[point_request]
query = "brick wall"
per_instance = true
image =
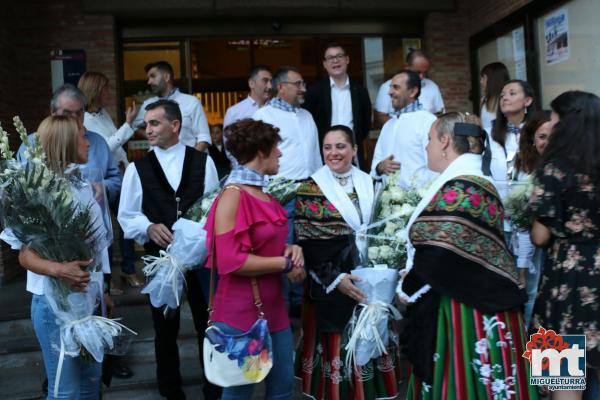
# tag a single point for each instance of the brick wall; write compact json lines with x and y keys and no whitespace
{"x":447,"y":43}
{"x":39,"y":27}
{"x":28,"y":32}
{"x":7,"y":75}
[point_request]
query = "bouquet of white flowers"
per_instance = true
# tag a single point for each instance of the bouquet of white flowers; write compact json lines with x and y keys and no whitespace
{"x":188,"y":250}
{"x":52,"y":209}
{"x":386,"y":247}
{"x":515,"y":204}
{"x":387,"y":235}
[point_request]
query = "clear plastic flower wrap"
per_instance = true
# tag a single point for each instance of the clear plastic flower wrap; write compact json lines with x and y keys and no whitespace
{"x":52,"y":210}
{"x":368,"y":329}
{"x":59,"y":212}
{"x":84,"y":333}
{"x":186,"y":252}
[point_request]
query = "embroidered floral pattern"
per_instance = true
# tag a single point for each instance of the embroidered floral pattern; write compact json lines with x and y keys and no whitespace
{"x":478,"y":201}
{"x":466,"y":240}
{"x":316,"y":217}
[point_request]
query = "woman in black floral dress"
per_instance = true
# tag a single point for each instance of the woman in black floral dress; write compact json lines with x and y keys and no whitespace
{"x":566,"y":207}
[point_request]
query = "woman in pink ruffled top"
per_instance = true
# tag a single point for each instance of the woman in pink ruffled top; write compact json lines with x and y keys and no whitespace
{"x":250,"y":230}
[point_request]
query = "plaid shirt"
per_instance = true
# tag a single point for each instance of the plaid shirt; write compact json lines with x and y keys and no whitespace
{"x":246,"y":176}
{"x":281,"y":104}
{"x":416,"y":106}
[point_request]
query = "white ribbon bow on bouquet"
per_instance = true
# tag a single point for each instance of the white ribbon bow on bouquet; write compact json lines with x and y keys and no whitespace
{"x":368,"y":328}
{"x":369,"y":332}
{"x":167,"y":270}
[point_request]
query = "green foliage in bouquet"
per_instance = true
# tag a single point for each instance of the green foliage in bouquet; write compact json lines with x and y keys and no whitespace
{"x":282,"y":189}
{"x":387,"y":235}
{"x":38,"y":206}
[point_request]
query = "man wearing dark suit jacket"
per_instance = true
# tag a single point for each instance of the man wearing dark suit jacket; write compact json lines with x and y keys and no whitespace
{"x":337,"y":99}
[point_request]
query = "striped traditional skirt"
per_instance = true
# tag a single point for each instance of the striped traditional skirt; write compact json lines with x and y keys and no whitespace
{"x":320,"y":365}
{"x":477,"y":356}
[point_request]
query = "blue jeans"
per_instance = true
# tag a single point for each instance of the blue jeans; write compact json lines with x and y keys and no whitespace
{"x":292,"y":292}
{"x":280,"y":380}
{"x":79,"y":379}
{"x":531,"y":284}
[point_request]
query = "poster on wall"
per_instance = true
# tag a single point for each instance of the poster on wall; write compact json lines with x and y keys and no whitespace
{"x":556,"y":37}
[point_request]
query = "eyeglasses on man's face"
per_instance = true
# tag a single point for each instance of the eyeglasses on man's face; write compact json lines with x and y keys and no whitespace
{"x":299,"y":84}
{"x":335,"y":57}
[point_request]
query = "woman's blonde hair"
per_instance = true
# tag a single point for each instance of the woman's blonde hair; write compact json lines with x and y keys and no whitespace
{"x":58,"y":136}
{"x":461,"y":144}
{"x":91,"y":84}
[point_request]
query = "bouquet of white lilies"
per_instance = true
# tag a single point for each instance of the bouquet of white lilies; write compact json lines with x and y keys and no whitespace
{"x":52,"y":209}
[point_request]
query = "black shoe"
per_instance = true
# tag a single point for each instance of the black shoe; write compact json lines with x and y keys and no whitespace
{"x":122,"y":371}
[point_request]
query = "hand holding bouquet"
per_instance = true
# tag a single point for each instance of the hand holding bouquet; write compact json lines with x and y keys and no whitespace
{"x":50,"y":209}
{"x":188,"y":250}
{"x":386,"y":237}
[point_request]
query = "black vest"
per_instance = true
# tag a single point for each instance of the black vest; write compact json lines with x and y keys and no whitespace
{"x":160,"y":203}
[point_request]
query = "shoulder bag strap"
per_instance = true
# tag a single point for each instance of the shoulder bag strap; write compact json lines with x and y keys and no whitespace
{"x":213,"y":271}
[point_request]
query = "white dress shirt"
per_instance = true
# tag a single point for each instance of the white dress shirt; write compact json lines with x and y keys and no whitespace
{"x":486,"y":118}
{"x":406,"y":138}
{"x":131,"y":218}
{"x":503,"y":160}
{"x":244,"y":109}
{"x":341,"y":104}
{"x":103,"y":124}
{"x":194,"y":127}
{"x":300,"y":155}
{"x":430,"y":97}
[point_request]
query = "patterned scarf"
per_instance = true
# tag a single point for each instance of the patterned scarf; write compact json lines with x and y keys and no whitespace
{"x":511,"y":128}
{"x":246,"y":176}
{"x":283,"y":105}
{"x":416,"y":106}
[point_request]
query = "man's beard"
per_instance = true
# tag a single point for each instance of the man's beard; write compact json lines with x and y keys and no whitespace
{"x":156,"y":90}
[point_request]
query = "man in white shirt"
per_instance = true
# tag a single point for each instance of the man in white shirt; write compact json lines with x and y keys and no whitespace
{"x":401,"y":144}
{"x":430,"y":96}
{"x":339,"y":100}
{"x":194,"y":125}
{"x":300,"y":155}
{"x":159,"y":188}
{"x":260,"y":92}
{"x":260,"y":86}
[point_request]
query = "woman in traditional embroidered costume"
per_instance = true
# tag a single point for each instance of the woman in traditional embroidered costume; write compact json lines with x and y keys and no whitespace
{"x":465,"y":336}
{"x":334,"y":203}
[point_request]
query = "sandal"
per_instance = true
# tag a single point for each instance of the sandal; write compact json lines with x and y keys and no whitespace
{"x":132,"y":280}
